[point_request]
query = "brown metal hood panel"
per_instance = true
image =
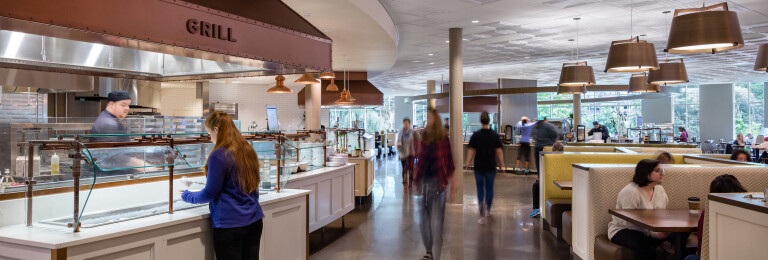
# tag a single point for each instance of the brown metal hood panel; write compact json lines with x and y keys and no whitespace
{"x":365,"y":93}
{"x":161,"y":26}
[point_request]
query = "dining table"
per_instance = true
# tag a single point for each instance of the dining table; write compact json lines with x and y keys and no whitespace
{"x":676,"y":221}
{"x":564,"y":185}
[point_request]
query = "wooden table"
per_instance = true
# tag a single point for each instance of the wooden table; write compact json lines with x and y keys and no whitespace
{"x":662,"y":220}
{"x":564,"y":185}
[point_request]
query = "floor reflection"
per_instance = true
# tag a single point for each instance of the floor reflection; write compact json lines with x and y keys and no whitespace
{"x":385,"y":225}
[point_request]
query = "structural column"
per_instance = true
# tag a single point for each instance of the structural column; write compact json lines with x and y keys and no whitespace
{"x":456,"y":109}
{"x":431,"y":90}
{"x":312,"y":106}
{"x":576,"y":111}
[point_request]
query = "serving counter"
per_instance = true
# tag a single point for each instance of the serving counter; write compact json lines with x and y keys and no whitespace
{"x":364,"y":168}
{"x":738,"y":226}
{"x":510,"y":152}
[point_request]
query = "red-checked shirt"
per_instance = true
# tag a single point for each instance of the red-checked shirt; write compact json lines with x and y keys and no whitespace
{"x":434,"y":158}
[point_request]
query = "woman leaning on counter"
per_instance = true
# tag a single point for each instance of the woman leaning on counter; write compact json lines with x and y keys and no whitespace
{"x":232,"y":190}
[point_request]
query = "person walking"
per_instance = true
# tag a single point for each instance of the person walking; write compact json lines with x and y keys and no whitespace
{"x":406,"y":150}
{"x":434,"y":167}
{"x":524,"y":153}
{"x":485,"y":148}
{"x":546,"y":135}
{"x":231,"y":190}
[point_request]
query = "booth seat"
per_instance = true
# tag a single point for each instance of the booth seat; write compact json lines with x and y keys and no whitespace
{"x":665,"y":149}
{"x":557,"y":166}
{"x":595,"y":187}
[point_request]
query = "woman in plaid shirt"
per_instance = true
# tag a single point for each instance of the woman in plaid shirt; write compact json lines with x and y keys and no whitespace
{"x":434,"y":167}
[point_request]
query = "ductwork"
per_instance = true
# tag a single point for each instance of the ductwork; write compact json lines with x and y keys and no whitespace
{"x":144,"y":93}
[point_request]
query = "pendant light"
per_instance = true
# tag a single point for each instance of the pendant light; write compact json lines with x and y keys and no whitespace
{"x":707,"y":29}
{"x":306,"y":79}
{"x":761,"y":63}
{"x":671,"y":71}
{"x":575,"y":77}
{"x":345,"y":96}
{"x":327,"y":75}
{"x":633,"y":55}
{"x":280,"y":86}
{"x":332,"y":87}
{"x":639,"y":83}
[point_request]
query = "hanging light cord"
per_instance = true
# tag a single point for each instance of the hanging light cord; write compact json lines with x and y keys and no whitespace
{"x":577,"y":39}
{"x":666,"y":32}
{"x":631,"y":19}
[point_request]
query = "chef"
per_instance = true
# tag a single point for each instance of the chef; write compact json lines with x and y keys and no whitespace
{"x":108,"y":122}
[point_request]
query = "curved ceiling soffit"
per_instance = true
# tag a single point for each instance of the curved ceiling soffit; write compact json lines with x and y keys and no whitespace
{"x":364,"y":35}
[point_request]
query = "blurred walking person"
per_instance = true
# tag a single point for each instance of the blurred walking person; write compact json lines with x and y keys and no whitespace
{"x":524,"y":153}
{"x":434,"y":167}
{"x":405,"y":145}
{"x":546,"y":135}
{"x":485,"y":148}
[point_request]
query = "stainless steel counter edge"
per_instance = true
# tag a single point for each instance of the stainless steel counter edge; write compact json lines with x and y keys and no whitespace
{"x":58,"y":238}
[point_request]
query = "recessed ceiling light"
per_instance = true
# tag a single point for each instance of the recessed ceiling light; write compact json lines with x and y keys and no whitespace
{"x":527,"y":57}
{"x":432,"y":63}
{"x":475,"y":21}
{"x":431,"y":54}
{"x":447,"y":41}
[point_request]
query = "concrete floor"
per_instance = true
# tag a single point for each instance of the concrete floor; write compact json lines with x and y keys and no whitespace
{"x":384,"y":226}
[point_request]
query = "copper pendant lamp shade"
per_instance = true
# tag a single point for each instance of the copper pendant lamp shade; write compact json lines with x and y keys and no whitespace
{"x":280,"y":86}
{"x":671,"y":71}
{"x":576,"y":74}
{"x":327,"y":75}
{"x":332,"y":87}
{"x":639,"y":83}
{"x":306,"y":79}
{"x":704,"y":29}
{"x":633,"y":55}
{"x":761,"y":63}
{"x":346,"y":98}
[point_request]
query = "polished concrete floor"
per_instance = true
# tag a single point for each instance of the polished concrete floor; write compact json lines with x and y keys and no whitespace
{"x":385,"y":225}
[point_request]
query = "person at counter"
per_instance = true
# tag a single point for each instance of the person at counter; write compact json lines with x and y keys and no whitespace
{"x":525,"y":142}
{"x":232,"y":190}
{"x":683,"y":135}
{"x":486,"y":144}
{"x":546,"y":135}
{"x":599,"y":129}
{"x":108,"y":122}
{"x":447,"y":124}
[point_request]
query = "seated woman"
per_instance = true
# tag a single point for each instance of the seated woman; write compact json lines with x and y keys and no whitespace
{"x":740,"y":155}
{"x":762,"y":146}
{"x":665,"y":158}
{"x":644,"y":192}
{"x":725,"y":183}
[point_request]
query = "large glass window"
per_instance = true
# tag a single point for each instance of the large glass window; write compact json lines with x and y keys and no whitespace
{"x":686,"y":105}
{"x":749,"y":109}
{"x":612,"y":114}
{"x":373,"y":119}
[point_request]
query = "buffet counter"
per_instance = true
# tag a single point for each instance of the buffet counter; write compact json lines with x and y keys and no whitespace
{"x":185,"y":234}
{"x":364,"y":168}
{"x":331,"y":192}
{"x":510,"y":152}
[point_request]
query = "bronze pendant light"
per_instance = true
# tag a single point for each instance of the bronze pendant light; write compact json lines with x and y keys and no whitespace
{"x":327,"y":75}
{"x":575,"y":77}
{"x":704,"y":29}
{"x":280,"y":87}
{"x":306,"y":79}
{"x":639,"y":83}
{"x":671,"y":71}
{"x":761,"y":63}
{"x":332,"y":87}
{"x":345,"y":96}
{"x":633,"y":55}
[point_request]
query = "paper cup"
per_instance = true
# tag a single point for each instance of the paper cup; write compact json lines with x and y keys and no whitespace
{"x":694,"y":205}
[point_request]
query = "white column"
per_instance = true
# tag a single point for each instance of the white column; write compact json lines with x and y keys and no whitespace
{"x":431,"y":90}
{"x":457,"y":110}
{"x":312,"y":106}
{"x":576,"y":111}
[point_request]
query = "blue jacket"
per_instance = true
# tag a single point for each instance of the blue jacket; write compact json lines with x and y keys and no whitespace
{"x":525,"y":131}
{"x":229,"y":206}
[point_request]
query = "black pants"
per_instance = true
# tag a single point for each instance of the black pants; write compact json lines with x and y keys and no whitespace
{"x":643,"y":247}
{"x":238,"y":243}
{"x":536,"y":151}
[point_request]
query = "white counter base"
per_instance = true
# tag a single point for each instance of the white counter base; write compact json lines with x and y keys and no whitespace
{"x":736,"y":232}
{"x":331,"y":193}
{"x":185,"y":234}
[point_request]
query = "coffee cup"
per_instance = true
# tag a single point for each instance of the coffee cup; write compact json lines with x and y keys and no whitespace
{"x":694,"y":205}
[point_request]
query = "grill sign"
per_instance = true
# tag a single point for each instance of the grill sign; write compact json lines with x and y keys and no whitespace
{"x":211,"y":30}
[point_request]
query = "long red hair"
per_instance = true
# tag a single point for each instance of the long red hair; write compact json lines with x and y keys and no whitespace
{"x":243,"y":156}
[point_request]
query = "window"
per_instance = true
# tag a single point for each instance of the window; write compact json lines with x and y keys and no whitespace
{"x":749,"y":110}
{"x":685,"y":100}
{"x":606,"y":113}
{"x":374,"y":119}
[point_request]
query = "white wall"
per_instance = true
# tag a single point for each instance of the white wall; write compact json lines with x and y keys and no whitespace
{"x":658,"y":110}
{"x":180,"y":100}
{"x":716,"y":112}
{"x":252,"y":100}
{"x":403,"y":109}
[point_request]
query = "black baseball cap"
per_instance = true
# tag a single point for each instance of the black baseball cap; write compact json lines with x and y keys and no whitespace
{"x":595,"y":123}
{"x":118,"y":95}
